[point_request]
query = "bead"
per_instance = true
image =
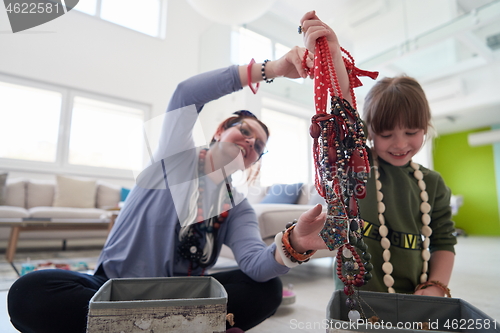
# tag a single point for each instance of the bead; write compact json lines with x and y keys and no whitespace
{"x":391,"y":290}
{"x":426,"y":231}
{"x":421,"y":185}
{"x":354,"y":315}
{"x":387,"y":267}
{"x":423,"y":278}
{"x":362,"y":245}
{"x":424,"y":196}
{"x":378,"y":184}
{"x":418,"y":175}
{"x":359,"y":282}
{"x":388,"y":280}
{"x":315,"y":130}
{"x":383,"y":231}
{"x":347,"y":253}
{"x":368,"y":266}
{"x":354,"y":225}
{"x":425,"y":207}
{"x":414,"y":165}
{"x":349,"y":265}
{"x":426,"y":219}
{"x":381,"y":208}
{"x":425,"y":266}
{"x":426,"y":255}
{"x":386,"y":244}
{"x":381,"y":219}
{"x":367,"y":276}
{"x":386,"y":255}
{"x":367,"y":256}
{"x":348,"y":290}
{"x":350,"y":303}
{"x":426,"y":243}
{"x":380,"y":196}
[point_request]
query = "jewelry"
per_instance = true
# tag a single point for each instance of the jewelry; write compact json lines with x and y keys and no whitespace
{"x":263,"y":72}
{"x":189,"y":247}
{"x":438,"y":284}
{"x":299,"y":29}
{"x":249,"y":77}
{"x":426,"y":230}
{"x":342,"y":167}
{"x":290,"y":251}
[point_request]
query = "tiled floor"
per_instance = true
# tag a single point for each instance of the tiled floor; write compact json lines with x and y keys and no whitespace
{"x":474,"y":280}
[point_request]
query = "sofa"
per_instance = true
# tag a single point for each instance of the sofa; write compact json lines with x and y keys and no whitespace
{"x":60,"y":209}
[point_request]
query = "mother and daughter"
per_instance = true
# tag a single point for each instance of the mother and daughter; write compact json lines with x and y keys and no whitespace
{"x":183,"y":207}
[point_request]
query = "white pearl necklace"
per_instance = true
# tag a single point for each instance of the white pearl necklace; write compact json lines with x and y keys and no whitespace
{"x":426,"y":230}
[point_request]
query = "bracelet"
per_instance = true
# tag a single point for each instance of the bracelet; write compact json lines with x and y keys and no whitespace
{"x":249,"y":77}
{"x":294,"y":255}
{"x":278,"y":239}
{"x":263,"y":72}
{"x":438,"y":284}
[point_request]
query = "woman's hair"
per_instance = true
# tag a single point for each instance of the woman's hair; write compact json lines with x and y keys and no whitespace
{"x":398,"y":101}
{"x":254,"y":170}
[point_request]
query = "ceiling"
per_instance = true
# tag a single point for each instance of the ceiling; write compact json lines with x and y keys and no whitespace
{"x":451,"y":46}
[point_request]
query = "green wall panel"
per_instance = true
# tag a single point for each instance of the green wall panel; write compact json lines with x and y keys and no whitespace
{"x":470,"y":172}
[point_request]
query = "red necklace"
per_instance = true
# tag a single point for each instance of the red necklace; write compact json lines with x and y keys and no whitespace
{"x":342,"y":166}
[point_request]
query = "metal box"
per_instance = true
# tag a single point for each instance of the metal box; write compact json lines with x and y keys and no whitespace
{"x":176,"y":304}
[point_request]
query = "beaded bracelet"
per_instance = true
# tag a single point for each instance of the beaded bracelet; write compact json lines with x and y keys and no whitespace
{"x":263,"y":71}
{"x":278,"y":239}
{"x":249,"y":77}
{"x":294,"y":255}
{"x":438,"y":284}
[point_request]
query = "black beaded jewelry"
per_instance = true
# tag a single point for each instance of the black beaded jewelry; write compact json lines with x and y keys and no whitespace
{"x":263,"y":72}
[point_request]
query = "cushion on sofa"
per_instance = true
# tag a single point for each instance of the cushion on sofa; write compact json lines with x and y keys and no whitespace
{"x":13,"y":212}
{"x":39,"y":193}
{"x":66,"y":212}
{"x":108,"y":195}
{"x":16,"y":193}
{"x":77,"y":193}
{"x":283,"y":194}
{"x":3,"y":188}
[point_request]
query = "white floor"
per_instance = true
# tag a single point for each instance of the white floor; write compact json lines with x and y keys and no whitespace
{"x":477,"y":268}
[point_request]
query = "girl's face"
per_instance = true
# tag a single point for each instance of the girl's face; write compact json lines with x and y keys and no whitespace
{"x":249,"y":137}
{"x":399,"y":145}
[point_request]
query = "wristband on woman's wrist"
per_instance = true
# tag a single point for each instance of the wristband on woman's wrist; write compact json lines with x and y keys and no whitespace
{"x":435,"y":283}
{"x":263,"y":72}
{"x":287,"y":251}
{"x":249,"y":77}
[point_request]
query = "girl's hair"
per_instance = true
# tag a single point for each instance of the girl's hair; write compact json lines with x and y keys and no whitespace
{"x":254,"y":170}
{"x":398,"y":101}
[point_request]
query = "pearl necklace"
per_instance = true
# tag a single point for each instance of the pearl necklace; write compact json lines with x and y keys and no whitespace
{"x":426,"y":230}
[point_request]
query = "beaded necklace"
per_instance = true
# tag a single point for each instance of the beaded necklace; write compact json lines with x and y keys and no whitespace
{"x":426,"y":230}
{"x":190,"y":247}
{"x":342,"y":167}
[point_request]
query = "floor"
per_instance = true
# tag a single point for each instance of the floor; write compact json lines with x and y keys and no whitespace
{"x":473,"y":280}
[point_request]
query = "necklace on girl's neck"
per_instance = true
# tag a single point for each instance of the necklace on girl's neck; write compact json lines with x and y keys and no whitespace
{"x":426,"y":230}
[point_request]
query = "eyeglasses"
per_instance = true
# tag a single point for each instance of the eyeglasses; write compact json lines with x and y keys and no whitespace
{"x":247,"y":132}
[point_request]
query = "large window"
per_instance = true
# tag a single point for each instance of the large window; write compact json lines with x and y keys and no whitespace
{"x":288,"y":160}
{"x":45,"y":127}
{"x":146,"y":16}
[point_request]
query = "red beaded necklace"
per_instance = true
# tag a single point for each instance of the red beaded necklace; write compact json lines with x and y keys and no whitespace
{"x":190,"y":247}
{"x":342,"y":166}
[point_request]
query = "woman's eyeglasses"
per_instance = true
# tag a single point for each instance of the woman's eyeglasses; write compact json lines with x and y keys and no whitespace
{"x":247,"y":132}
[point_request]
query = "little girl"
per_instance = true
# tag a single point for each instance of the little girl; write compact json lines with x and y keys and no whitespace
{"x":407,"y":214}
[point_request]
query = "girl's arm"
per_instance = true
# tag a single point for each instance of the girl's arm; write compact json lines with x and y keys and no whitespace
{"x":440,"y":268}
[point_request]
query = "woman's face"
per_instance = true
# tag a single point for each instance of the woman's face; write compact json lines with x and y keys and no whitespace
{"x":248,"y":137}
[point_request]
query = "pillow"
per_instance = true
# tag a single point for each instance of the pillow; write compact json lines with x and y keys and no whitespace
{"x":3,"y":188}
{"x":283,"y":194}
{"x":107,"y":196}
{"x":40,"y":193}
{"x":77,"y":193}
{"x":124,"y":193}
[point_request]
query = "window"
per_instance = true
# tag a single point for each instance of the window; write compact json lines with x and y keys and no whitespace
{"x":145,"y":16}
{"x":246,"y":44}
{"x":30,"y":122}
{"x":288,"y":160}
{"x":50,"y":128}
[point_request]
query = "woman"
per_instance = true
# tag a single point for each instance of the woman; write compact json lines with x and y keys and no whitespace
{"x":181,"y":211}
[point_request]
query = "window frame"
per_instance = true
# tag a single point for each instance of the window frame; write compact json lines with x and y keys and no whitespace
{"x":61,"y":164}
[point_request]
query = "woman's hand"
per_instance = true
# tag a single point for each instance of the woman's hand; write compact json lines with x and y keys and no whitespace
{"x":290,"y":65}
{"x":305,"y":235}
{"x":313,"y":28}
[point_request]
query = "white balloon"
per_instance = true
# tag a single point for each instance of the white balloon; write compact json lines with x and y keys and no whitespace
{"x":231,"y":11}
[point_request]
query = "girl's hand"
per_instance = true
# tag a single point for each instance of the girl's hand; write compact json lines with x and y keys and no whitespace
{"x":430,"y":291}
{"x":290,"y":65}
{"x":305,"y":235}
{"x":313,"y":28}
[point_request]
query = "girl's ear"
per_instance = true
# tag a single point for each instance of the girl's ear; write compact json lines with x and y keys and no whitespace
{"x":218,"y":134}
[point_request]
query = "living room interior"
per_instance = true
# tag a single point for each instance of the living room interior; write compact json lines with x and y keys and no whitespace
{"x":93,"y":86}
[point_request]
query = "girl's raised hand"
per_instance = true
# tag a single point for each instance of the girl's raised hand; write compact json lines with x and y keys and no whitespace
{"x":313,"y":28}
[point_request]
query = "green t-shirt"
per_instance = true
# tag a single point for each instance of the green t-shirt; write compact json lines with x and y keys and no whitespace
{"x":403,"y":219}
